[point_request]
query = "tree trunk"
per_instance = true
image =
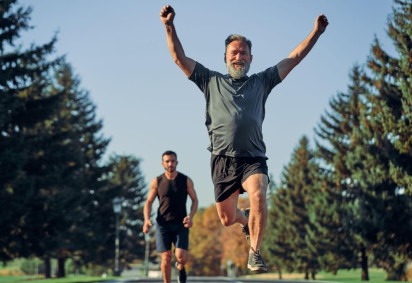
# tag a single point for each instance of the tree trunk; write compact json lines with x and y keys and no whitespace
{"x":47,"y":267}
{"x":313,"y":273}
{"x":279,"y":271}
{"x":61,"y":271}
{"x":306,"y":275}
{"x":364,"y":264}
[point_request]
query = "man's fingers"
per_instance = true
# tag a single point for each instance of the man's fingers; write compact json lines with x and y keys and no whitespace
{"x":166,"y":11}
{"x":324,"y":20}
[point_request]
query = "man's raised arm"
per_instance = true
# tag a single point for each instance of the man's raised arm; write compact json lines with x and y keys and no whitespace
{"x":186,"y":64}
{"x":297,"y":55}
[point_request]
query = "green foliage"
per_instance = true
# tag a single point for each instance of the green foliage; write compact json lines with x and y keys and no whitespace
{"x":55,"y":190}
{"x":339,"y":133}
{"x":360,"y":181}
{"x":126,"y":180}
{"x":30,"y":266}
{"x":388,"y":201}
{"x":25,"y":105}
{"x":294,"y":239}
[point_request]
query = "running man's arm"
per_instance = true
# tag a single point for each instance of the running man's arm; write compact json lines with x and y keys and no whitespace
{"x":147,"y":209}
{"x":187,"y":221}
{"x":297,"y":55}
{"x":186,"y":64}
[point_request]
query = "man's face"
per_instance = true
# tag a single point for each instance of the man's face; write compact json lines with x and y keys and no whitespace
{"x":238,"y":59}
{"x":169,"y":162}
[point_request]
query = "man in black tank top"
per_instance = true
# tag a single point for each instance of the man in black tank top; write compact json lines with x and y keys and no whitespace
{"x":173,"y":222}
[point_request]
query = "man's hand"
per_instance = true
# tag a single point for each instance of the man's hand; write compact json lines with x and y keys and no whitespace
{"x":321,"y":23}
{"x":187,"y":222}
{"x":167,"y":14}
{"x":146,"y":226}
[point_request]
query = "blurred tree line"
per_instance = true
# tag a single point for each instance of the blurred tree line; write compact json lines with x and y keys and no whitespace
{"x":56,"y":190}
{"x":350,"y":197}
{"x":344,"y":203}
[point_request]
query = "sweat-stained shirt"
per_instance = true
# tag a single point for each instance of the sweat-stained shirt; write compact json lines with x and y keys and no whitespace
{"x":235,"y":110}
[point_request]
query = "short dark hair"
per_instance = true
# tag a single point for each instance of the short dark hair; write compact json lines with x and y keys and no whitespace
{"x":169,"y":152}
{"x":234,"y":37}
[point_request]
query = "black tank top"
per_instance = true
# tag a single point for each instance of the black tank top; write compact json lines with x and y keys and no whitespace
{"x":172,"y":196}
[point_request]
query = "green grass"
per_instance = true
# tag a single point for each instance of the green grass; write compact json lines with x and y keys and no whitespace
{"x":68,"y":279}
{"x":343,"y":276}
{"x":354,"y":276}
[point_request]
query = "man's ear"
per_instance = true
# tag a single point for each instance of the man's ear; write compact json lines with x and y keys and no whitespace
{"x":224,"y":58}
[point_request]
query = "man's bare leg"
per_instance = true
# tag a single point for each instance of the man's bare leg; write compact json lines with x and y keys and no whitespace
{"x":181,"y":259}
{"x":165,"y":266}
{"x":256,"y":186}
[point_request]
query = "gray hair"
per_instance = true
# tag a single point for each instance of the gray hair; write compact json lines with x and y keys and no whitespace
{"x":238,"y":37}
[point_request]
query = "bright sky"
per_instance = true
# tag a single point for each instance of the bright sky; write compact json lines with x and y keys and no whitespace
{"x":147,"y":105}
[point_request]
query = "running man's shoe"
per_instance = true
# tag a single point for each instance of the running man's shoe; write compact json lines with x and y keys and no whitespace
{"x":245,"y":228}
{"x":181,"y":274}
{"x":255,"y":262}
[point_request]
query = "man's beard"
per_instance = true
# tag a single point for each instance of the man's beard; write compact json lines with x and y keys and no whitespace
{"x":237,"y":73}
{"x":170,"y":169}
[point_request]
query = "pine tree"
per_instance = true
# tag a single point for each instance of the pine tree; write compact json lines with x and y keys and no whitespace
{"x":297,"y":181}
{"x":338,"y":134}
{"x":276,"y":241}
{"x":391,"y":132}
{"x":25,"y":103}
{"x":126,"y":181}
{"x":83,"y":193}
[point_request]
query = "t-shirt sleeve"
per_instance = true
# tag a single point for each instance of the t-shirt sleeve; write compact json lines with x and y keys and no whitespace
{"x":200,"y":76}
{"x":270,"y":78}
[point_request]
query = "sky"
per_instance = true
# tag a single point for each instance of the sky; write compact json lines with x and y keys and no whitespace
{"x":118,"y":50}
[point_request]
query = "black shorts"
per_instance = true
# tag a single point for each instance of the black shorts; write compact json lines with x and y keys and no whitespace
{"x":168,"y":234}
{"x":228,"y":173}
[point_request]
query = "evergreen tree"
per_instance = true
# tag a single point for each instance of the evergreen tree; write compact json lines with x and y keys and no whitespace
{"x":83,"y":148}
{"x":391,"y":132}
{"x":276,"y":242}
{"x":126,"y":180}
{"x":25,"y":104}
{"x":297,"y":181}
{"x":81,"y":154}
{"x":339,"y":134}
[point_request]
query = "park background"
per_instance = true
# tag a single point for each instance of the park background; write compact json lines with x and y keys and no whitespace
{"x":118,"y":48}
{"x":121,"y":72}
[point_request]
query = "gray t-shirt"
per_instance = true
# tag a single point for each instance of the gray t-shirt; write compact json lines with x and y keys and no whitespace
{"x":235,"y":110}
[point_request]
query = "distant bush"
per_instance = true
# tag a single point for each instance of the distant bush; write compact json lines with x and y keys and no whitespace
{"x":31,"y":266}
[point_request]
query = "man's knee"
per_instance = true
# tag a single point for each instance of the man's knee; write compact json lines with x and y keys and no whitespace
{"x":181,"y":256}
{"x":167,"y":257}
{"x":227,"y":210}
{"x":227,"y":220}
{"x":181,"y":260}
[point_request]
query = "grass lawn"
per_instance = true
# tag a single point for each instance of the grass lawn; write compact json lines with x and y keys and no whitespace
{"x":343,"y":276}
{"x":353,"y":276}
{"x":68,"y":279}
{"x":13,"y":274}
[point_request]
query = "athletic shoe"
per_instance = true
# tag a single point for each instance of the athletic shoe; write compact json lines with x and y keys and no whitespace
{"x":245,"y":228}
{"x":181,"y":275}
{"x":255,"y":262}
